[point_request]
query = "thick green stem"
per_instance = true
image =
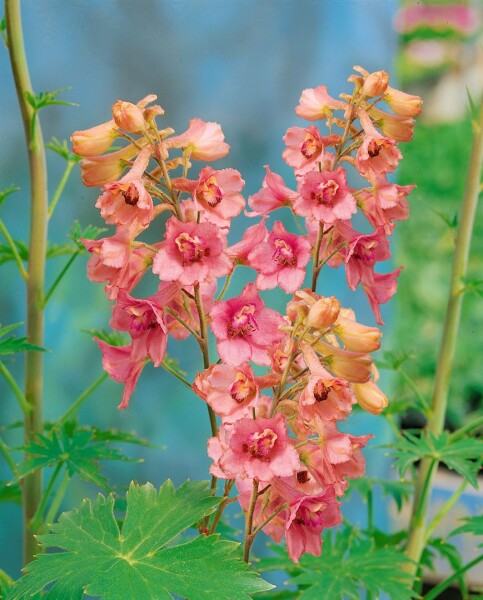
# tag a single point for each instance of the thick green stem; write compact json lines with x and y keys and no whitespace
{"x":417,"y":529}
{"x":32,"y":485}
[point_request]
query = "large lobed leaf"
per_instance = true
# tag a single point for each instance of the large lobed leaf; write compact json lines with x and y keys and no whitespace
{"x":79,"y":448}
{"x":462,"y":455}
{"x":100,"y":559}
{"x":348,"y":566}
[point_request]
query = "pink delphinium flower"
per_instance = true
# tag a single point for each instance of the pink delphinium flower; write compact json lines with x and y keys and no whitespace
{"x":281,"y":260}
{"x":119,"y":363}
{"x":230,"y":391}
{"x":316,"y":103}
{"x":325,"y":397}
{"x":325,"y":196}
{"x":305,"y":147}
{"x":143,"y":320}
{"x":380,"y":289}
{"x":117,"y":261}
{"x":217,"y":193}
{"x":101,"y":170}
{"x":127,"y":200}
{"x":377,"y":153}
{"x":254,"y":235}
{"x":259,"y":449}
{"x":274,"y":194}
{"x":191,"y":253}
{"x":245,"y":329}
{"x":202,"y":141}
{"x":363,"y":252}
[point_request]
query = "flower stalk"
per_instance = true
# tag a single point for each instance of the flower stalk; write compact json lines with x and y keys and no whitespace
{"x":417,"y":532}
{"x":33,"y":377}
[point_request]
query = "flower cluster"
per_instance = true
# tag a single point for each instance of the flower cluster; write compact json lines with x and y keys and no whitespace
{"x":275,"y":431}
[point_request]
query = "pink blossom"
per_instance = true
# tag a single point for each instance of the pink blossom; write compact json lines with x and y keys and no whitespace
{"x":127,"y":200}
{"x":315,"y":103}
{"x":101,"y":170}
{"x":259,"y":449}
{"x":377,"y":153}
{"x":380,"y":290}
{"x":274,"y":194}
{"x":362,"y":254}
{"x":117,"y":261}
{"x":396,"y":127}
{"x":281,"y":260}
{"x":245,"y":329}
{"x":230,"y":391}
{"x":143,"y":320}
{"x":191,"y":253}
{"x":202,"y":141}
{"x":305,"y":147}
{"x":308,"y":517}
{"x":217,"y":193}
{"x":119,"y":363}
{"x":325,"y":196}
{"x":325,"y":397}
{"x":252,"y":236}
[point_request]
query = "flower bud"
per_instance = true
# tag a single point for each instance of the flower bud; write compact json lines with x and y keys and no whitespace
{"x":375,"y":84}
{"x":300,"y":305}
{"x":357,"y":337}
{"x":352,"y":366}
{"x":323,"y":312}
{"x":94,"y":141}
{"x":128,"y":116}
{"x":404,"y":105}
{"x":370,"y":397}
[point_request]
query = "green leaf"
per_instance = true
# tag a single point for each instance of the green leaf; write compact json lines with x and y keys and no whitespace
{"x":392,"y":360}
{"x":349,"y":565}
{"x":400,"y":491}
{"x":90,"y":233}
{"x":11,"y":345}
{"x":43,"y":99}
{"x":472,"y":525}
{"x":100,"y":559}
{"x":79,"y":448}
{"x":4,"y":194}
{"x":114,"y":338}
{"x":473,"y":285}
{"x":463,"y":455}
{"x":62,"y":149}
{"x":10,"y":493}
{"x":6,"y":253}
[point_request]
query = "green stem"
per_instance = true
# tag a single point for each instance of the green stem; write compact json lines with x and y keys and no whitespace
{"x":57,"y":499}
{"x":60,"y":187}
{"x":316,"y":270}
{"x":417,"y":530}
{"x":249,"y":522}
{"x":370,"y":511}
{"x":59,"y":278}
{"x":221,"y":508}
{"x":22,"y":402}
{"x":80,"y":399}
{"x":5,"y":451}
{"x":32,"y":484}
{"x":436,"y":591}
{"x":37,"y":519}
{"x":412,"y":386}
{"x":226,"y":284}
{"x":444,"y":510}
{"x":463,"y":431}
{"x":177,"y":375}
{"x":14,"y":250}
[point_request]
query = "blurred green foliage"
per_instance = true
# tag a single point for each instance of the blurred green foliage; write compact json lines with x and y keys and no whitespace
{"x":437,"y":160}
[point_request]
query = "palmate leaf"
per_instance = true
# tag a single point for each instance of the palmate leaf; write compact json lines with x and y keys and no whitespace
{"x":463,"y":455}
{"x":79,"y":448}
{"x":400,"y":491}
{"x":12,"y":344}
{"x":348,"y":565}
{"x":472,"y":525}
{"x":99,"y":559}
